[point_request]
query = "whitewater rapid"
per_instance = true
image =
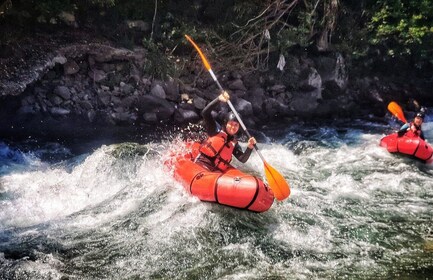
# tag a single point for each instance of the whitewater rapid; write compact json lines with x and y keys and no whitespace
{"x":355,"y":212}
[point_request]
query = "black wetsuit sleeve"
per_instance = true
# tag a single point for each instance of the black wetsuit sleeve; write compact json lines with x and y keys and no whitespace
{"x":240,"y":155}
{"x":210,"y":124}
{"x":403,"y":130}
{"x":421,"y":135}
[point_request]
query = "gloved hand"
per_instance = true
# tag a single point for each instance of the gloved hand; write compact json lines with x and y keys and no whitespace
{"x":224,"y":97}
{"x":251,"y":142}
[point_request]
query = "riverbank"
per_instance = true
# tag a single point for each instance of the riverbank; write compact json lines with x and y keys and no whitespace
{"x":62,"y":82}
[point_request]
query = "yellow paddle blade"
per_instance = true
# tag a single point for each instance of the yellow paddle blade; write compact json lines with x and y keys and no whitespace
{"x":396,"y":111}
{"x":203,"y":58}
{"x":276,"y":182}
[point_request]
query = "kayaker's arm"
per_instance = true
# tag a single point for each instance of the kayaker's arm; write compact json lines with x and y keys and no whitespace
{"x":240,"y":155}
{"x":210,"y":124}
{"x":421,"y":135}
{"x":403,"y":129}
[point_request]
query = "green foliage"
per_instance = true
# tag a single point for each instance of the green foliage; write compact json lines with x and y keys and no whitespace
{"x":157,"y":63}
{"x":52,"y":7}
{"x":405,"y":27}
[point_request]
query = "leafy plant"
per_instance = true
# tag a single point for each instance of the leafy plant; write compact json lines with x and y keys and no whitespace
{"x":404,"y":27}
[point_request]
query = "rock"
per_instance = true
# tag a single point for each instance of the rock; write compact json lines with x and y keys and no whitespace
{"x":199,"y":102}
{"x":70,"y":67}
{"x":310,"y":79}
{"x":127,"y":89}
{"x":55,"y":99}
{"x":27,"y":109}
{"x":68,"y":19}
{"x":60,"y":59}
{"x":97,"y":75}
{"x":59,"y":111}
{"x":152,"y":104}
{"x":237,"y":85}
{"x":129,"y":150}
{"x":91,"y":115}
{"x":239,"y":93}
{"x":333,"y":70}
{"x":184,"y":116}
{"x":244,"y":107}
{"x":273,"y":108}
{"x":86,"y":105}
{"x":171,"y":88}
{"x":122,"y":117}
{"x":256,"y":97}
{"x":129,"y":102}
{"x":150,"y":117}
{"x":304,"y":103}
{"x":184,"y":97}
{"x":63,"y":92}
{"x":277,"y":88}
{"x":158,"y":91}
{"x":104,"y":97}
{"x":138,"y":24}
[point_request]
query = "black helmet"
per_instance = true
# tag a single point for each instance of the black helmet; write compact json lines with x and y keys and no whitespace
{"x":230,"y":116}
{"x":420,"y":115}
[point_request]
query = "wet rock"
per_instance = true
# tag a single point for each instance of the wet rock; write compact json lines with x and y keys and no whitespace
{"x":199,"y":103}
{"x":273,"y":108}
{"x":333,"y":70}
{"x":244,"y":107}
{"x":59,"y":111}
{"x":237,"y":84}
{"x":310,"y":79}
{"x":152,"y":104}
{"x":185,"y":116}
{"x":150,"y":117}
{"x":303,"y":103}
{"x":129,"y":150}
{"x":63,"y":92}
{"x":171,"y":88}
{"x":123,"y":117}
{"x":158,"y":91}
{"x":256,"y":98}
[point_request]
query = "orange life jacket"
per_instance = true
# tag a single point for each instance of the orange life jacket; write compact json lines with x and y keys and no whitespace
{"x":219,"y":150}
{"x":415,"y":133}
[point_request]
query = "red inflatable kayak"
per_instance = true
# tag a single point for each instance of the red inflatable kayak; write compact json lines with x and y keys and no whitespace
{"x":408,"y":145}
{"x":232,"y":187}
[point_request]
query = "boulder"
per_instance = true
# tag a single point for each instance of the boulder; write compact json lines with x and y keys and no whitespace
{"x":182,"y":116}
{"x":71,"y":67}
{"x":153,"y":104}
{"x":63,"y":92}
{"x":158,"y":91}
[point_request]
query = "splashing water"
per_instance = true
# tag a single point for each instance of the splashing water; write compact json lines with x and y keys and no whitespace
{"x":355,"y":212}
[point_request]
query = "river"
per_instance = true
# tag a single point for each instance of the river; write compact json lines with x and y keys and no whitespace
{"x":114,"y":211}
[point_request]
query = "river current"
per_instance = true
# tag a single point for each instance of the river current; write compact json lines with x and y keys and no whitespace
{"x":115,"y":212}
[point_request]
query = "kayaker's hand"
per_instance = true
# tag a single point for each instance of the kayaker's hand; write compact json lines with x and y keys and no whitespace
{"x":224,"y":97}
{"x":251,"y":142}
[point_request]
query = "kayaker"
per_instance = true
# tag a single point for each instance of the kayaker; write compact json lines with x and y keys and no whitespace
{"x":217,"y":150}
{"x":414,"y":127}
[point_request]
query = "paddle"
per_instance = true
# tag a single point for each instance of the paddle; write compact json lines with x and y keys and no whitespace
{"x":396,"y":111}
{"x":276,"y":181}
